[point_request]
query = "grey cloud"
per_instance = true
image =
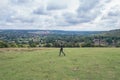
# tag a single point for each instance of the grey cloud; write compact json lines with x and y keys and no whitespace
{"x":19,"y":20}
{"x":74,"y":19}
{"x":56,"y":5}
{"x":6,"y":14}
{"x":63,"y":24}
{"x":71,"y":18}
{"x":108,"y":23}
{"x":87,"y":5}
{"x":20,"y":2}
{"x":55,"y":13}
{"x":10,"y":16}
{"x":40,"y":11}
{"x":60,"y":21}
{"x":83,"y":13}
{"x":88,"y":10}
{"x":110,"y":20}
{"x":114,"y":13}
{"x":22,"y":20}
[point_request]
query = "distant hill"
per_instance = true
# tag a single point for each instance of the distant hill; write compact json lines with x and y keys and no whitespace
{"x":52,"y":38}
{"x":59,"y":32}
{"x":115,"y":33}
{"x":112,"y":33}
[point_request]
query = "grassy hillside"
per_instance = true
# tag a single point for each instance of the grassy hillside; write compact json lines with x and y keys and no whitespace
{"x":45,"y":64}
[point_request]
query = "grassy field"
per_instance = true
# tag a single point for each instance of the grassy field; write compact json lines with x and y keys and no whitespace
{"x":45,"y":64}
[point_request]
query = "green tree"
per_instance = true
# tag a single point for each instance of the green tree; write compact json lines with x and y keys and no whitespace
{"x":3,"y":44}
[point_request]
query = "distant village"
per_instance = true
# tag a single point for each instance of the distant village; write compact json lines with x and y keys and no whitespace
{"x":52,"y":39}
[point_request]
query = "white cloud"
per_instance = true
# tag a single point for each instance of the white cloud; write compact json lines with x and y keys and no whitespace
{"x":60,"y":14}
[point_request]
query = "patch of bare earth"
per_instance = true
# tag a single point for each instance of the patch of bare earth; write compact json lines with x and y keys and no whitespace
{"x":22,"y":49}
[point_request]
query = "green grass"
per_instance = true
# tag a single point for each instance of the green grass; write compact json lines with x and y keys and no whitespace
{"x":45,"y":64}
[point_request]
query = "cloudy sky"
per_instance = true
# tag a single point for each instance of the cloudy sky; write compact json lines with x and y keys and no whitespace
{"x":80,"y":15}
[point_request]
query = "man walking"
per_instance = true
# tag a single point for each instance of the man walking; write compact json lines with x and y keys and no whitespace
{"x":61,"y":50}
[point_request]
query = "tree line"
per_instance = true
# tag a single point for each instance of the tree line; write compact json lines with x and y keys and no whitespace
{"x":54,"y":40}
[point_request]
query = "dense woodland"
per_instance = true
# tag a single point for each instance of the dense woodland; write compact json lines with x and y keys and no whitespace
{"x":46,"y":38}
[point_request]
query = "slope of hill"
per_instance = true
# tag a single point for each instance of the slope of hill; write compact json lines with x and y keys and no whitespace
{"x":45,"y":64}
{"x":112,"y":33}
{"x":50,"y":32}
{"x":52,"y":38}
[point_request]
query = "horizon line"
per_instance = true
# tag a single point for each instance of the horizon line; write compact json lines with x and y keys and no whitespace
{"x":58,"y":30}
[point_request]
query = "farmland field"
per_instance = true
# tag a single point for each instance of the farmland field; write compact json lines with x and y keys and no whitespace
{"x":45,"y":64}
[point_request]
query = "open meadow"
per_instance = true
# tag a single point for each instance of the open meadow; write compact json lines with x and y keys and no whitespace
{"x":45,"y":64}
